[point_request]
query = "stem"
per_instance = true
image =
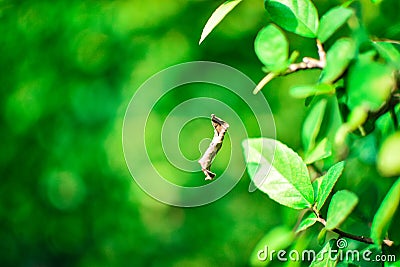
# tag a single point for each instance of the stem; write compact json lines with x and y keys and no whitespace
{"x":321,"y":54}
{"x":363,"y":239}
{"x":264,"y":81}
{"x":310,"y":63}
{"x":307,"y":63}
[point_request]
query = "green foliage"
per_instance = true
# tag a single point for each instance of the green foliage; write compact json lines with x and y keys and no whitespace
{"x":307,"y":222}
{"x":389,"y":52}
{"x":312,"y":125}
{"x":298,"y":16}
{"x":352,"y":113}
{"x":328,"y":181}
{"x":388,"y":158}
{"x":342,"y":204}
{"x":303,"y":91}
{"x":369,"y":84}
{"x":331,"y":21}
{"x":338,"y":59}
{"x":327,"y":256}
{"x":383,"y":217}
{"x":279,"y":172}
{"x":217,"y":17}
{"x":272,"y":48}
{"x":278,"y":238}
{"x":69,"y":70}
{"x":322,"y":236}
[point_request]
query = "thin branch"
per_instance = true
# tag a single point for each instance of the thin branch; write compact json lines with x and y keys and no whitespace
{"x":387,"y":41}
{"x":363,"y":239}
{"x":264,"y":81}
{"x":310,"y":63}
{"x":220,"y":128}
{"x":321,"y":54}
{"x":307,"y":63}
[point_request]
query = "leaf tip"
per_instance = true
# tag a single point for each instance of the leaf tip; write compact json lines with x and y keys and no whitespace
{"x":202,"y":38}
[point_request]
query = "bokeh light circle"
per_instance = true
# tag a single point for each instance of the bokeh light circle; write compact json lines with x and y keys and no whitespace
{"x":138,"y":131}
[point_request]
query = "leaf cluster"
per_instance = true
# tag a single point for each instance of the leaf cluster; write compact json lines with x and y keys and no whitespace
{"x":354,"y":100}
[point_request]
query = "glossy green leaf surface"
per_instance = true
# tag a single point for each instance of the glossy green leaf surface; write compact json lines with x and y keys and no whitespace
{"x":328,"y":182}
{"x":312,"y":124}
{"x":322,"y":149}
{"x":338,"y":58}
{"x":298,"y":16}
{"x":326,"y":257}
{"x":384,"y":215}
{"x":217,"y":17}
{"x":307,"y":222}
{"x":276,"y":239}
{"x":389,"y":52}
{"x":369,"y":84}
{"x":332,"y":20}
{"x":389,"y":156}
{"x":321,"y":236}
{"x":342,"y":204}
{"x":272,"y":48}
{"x":303,"y":91}
{"x":279,"y":172}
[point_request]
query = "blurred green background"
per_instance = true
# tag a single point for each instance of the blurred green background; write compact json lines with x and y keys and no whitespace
{"x":69,"y":70}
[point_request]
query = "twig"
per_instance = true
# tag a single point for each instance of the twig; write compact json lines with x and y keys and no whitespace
{"x":321,"y":54}
{"x":386,"y":41}
{"x":307,"y":63}
{"x":363,"y":239}
{"x":310,"y":63}
{"x":264,"y":81}
{"x":220,"y":128}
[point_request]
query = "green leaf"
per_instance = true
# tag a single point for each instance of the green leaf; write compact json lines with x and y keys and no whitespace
{"x":322,"y":236}
{"x":295,"y":54}
{"x":217,"y":17}
{"x":317,"y":185}
{"x":338,"y":59}
{"x":307,"y":222}
{"x":301,"y":243}
{"x":277,"y":239}
{"x":322,"y":150}
{"x":312,"y":124}
{"x":393,"y":264}
{"x":326,"y":257}
{"x":272,"y":48}
{"x":389,"y":53}
{"x":357,"y":118}
{"x":331,"y":21}
{"x":328,"y":182}
{"x":393,"y":231}
{"x":384,"y":215}
{"x":342,"y":204}
{"x":389,"y":157}
{"x":369,"y":84}
{"x":279,"y":172}
{"x":298,"y":16}
{"x":303,"y":91}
